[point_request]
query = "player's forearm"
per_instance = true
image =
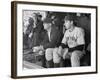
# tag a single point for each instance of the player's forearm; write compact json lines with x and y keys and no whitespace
{"x":80,"y":47}
{"x":64,"y":45}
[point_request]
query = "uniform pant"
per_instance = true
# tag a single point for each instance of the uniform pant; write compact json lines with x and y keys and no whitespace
{"x":51,"y":54}
{"x":73,"y":56}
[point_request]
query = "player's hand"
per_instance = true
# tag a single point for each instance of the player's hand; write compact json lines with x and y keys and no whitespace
{"x":65,"y":53}
{"x":60,"y":50}
{"x":36,"y":49}
{"x":30,"y":35}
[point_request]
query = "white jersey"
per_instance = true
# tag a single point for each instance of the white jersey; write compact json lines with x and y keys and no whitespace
{"x":74,"y":38}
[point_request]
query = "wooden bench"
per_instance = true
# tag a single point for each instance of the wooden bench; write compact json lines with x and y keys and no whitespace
{"x":29,"y":65}
{"x":32,"y":58}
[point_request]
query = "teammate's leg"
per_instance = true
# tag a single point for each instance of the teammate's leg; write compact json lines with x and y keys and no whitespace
{"x":56,"y":58}
{"x":43,"y":60}
{"x":49,"y":57}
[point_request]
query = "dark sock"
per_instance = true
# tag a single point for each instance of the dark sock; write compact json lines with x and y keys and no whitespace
{"x":43,"y":61}
{"x":56,"y":65}
{"x":62,"y":63}
{"x":50,"y":64}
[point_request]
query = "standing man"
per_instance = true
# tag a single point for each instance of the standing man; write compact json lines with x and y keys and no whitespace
{"x":52,"y":40}
{"x":27,"y":40}
{"x":38,"y":29}
{"x":72,"y":43}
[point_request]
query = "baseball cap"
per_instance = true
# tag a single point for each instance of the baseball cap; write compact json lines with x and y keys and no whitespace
{"x":47,"y":20}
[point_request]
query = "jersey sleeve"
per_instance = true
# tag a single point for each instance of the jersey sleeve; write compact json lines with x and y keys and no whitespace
{"x":80,"y":37}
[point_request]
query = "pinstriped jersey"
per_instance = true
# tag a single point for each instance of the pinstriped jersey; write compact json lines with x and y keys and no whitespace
{"x":74,"y":38}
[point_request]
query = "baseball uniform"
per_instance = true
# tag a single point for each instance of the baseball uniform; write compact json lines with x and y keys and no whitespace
{"x":74,"y":41}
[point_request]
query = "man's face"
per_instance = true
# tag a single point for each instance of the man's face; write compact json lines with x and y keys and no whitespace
{"x":34,"y":17}
{"x":31,"y":21}
{"x":67,"y":24}
{"x":47,"y":25}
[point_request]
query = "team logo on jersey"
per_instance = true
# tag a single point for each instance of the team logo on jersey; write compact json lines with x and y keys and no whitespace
{"x":71,"y":41}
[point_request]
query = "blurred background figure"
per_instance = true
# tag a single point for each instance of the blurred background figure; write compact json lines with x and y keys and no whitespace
{"x":28,"y":32}
{"x":38,"y":29}
{"x":84,"y":21}
{"x":33,"y":31}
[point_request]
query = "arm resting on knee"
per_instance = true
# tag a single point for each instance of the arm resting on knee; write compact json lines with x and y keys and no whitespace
{"x":80,"y":47}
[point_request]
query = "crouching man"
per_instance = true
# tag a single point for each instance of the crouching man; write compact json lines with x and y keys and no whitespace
{"x":52,"y":39}
{"x":72,"y":43}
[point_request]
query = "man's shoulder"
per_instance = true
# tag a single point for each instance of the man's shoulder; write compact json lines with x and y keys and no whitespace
{"x":79,"y":29}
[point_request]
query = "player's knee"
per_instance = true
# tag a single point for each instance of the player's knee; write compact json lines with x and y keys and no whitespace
{"x":74,"y":55}
{"x":48,"y":51}
{"x":56,"y":60}
{"x":48,"y":54}
{"x":41,"y":52}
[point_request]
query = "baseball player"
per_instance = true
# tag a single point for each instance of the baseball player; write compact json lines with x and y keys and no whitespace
{"x":73,"y":42}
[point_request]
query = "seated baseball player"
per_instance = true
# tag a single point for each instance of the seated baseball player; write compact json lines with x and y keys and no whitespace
{"x":52,"y":40}
{"x":73,"y":42}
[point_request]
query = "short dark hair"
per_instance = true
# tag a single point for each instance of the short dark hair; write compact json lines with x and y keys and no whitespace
{"x":47,"y":20}
{"x":69,"y":17}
